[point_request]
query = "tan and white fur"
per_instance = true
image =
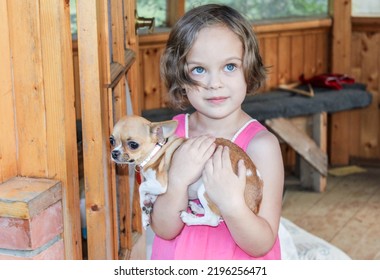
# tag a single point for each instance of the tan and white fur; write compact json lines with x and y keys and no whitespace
{"x":151,"y":145}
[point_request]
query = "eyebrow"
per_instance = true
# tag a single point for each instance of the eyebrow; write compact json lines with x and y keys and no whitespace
{"x":227,"y":59}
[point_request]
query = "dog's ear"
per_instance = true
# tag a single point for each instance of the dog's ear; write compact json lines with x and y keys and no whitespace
{"x":163,"y":129}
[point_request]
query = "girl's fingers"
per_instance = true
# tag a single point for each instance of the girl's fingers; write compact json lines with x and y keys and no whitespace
{"x":242,"y":170}
{"x":226,"y":158}
{"x":208,"y":169}
{"x":217,"y":158}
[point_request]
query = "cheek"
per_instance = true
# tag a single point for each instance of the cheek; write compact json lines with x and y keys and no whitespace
{"x":194,"y":94}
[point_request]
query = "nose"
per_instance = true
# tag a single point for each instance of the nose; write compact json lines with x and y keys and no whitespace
{"x":115,"y":154}
{"x":215,"y":81}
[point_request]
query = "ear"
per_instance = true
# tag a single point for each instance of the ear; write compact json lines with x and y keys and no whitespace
{"x":163,"y":129}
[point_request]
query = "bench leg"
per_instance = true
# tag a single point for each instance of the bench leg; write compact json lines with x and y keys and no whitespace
{"x":307,"y":135}
{"x":309,"y":176}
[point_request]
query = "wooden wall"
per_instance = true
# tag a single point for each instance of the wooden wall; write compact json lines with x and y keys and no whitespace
{"x":37,"y":123}
{"x":365,"y":67}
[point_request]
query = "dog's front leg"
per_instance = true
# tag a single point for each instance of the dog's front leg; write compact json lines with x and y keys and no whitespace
{"x":149,"y":189}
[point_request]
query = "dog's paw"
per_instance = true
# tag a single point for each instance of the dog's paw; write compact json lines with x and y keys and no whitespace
{"x":193,"y":220}
{"x":145,"y":218}
{"x":196,"y":208}
{"x":187,"y":217}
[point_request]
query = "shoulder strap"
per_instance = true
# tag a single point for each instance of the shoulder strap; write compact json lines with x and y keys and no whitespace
{"x":181,"y":128}
{"x":247,"y":133}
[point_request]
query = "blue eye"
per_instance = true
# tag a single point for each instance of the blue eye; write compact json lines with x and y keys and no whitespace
{"x":198,"y":70}
{"x":230,"y":67}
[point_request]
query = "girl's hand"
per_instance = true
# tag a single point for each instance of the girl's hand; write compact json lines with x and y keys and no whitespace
{"x":189,"y":160}
{"x":223,"y":186}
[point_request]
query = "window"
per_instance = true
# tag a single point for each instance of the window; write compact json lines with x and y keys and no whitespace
{"x":153,"y":8}
{"x":254,"y":10}
{"x":73,"y":16}
{"x":366,"y":8}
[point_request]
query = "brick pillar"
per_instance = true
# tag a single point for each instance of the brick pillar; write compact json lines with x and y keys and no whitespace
{"x":31,"y":221}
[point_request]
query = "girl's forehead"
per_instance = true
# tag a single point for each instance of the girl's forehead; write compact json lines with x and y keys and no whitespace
{"x":216,"y":40}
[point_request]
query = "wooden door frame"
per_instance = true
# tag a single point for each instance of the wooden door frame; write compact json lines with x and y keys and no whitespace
{"x":104,"y":70}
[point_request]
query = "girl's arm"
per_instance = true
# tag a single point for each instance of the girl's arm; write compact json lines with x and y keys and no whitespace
{"x":186,"y":168}
{"x":255,"y":234}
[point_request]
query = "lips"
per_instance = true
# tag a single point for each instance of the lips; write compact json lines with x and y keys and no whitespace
{"x":217,"y":99}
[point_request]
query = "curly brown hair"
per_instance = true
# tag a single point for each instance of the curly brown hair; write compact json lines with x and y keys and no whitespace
{"x":182,"y":37}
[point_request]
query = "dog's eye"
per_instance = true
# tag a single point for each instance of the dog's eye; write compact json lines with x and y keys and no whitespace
{"x":133,"y":145}
{"x":112,"y":141}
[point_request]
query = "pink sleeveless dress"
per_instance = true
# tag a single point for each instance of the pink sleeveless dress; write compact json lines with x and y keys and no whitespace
{"x":206,"y":242}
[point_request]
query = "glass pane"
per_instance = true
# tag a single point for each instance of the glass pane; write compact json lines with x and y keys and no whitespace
{"x":73,"y":16}
{"x":366,"y":8}
{"x":153,"y":8}
{"x":271,"y":9}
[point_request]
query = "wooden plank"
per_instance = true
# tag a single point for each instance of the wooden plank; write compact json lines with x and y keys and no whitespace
{"x":365,"y":24}
{"x":94,"y":62}
{"x":322,"y":52}
{"x":293,"y":25}
{"x":310,"y":176}
{"x":58,"y":84}
{"x":297,"y":57}
{"x":310,"y":55}
{"x":341,"y":63}
{"x":356,"y":73}
{"x":136,"y":237}
{"x":132,"y":43}
{"x":8,"y":153}
{"x":78,"y":111}
{"x":117,"y":25}
{"x":175,"y":9}
{"x":346,"y":215}
{"x":300,"y":142}
{"x":363,"y":227}
{"x":369,"y":137}
{"x":270,"y":50}
{"x":152,"y":96}
{"x":24,"y":198}
{"x":284,"y":59}
{"x":25,"y":43}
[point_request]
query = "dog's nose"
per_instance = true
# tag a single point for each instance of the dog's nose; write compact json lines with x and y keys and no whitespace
{"x":115,"y":154}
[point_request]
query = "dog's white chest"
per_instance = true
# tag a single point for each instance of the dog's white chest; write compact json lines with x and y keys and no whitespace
{"x":193,"y":189}
{"x":149,"y":189}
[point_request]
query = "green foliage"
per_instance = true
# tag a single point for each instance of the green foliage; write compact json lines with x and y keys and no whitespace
{"x":253,"y":9}
{"x":153,"y":8}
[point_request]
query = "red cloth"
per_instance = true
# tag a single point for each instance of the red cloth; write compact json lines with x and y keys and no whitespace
{"x":333,"y":81}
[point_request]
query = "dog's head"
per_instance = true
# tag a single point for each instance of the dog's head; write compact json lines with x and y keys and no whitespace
{"x":134,"y":138}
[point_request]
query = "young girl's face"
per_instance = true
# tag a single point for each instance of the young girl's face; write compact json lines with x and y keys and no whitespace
{"x":215,"y":61}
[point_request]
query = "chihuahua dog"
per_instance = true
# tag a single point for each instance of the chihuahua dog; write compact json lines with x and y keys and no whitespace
{"x":151,"y":145}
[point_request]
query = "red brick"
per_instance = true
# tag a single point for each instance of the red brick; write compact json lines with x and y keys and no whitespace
{"x":29,"y":234}
{"x":53,"y":251}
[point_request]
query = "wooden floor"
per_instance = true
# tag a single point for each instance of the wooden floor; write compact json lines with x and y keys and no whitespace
{"x":347,"y":215}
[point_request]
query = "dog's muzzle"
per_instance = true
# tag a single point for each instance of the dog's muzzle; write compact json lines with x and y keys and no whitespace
{"x":115,"y":154}
{"x":118,"y":157}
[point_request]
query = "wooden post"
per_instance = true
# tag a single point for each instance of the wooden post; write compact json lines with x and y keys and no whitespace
{"x":8,"y":147}
{"x":94,"y":69}
{"x":307,"y":136}
{"x":43,"y":102}
{"x":341,"y":64}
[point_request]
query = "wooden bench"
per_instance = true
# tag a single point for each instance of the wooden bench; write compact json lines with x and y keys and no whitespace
{"x":298,"y":120}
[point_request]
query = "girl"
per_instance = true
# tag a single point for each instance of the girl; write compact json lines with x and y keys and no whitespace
{"x":211,"y":62}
